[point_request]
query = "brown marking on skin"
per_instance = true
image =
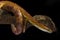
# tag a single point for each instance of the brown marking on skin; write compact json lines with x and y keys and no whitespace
{"x":19,"y":13}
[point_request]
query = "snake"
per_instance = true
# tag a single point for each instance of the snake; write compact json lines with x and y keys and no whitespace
{"x":21,"y":20}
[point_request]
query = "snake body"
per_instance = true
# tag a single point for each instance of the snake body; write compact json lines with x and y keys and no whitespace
{"x":22,"y":17}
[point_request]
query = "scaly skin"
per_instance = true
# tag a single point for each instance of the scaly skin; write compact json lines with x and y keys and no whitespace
{"x":20,"y":13}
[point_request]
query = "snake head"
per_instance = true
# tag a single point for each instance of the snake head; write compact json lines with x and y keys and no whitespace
{"x":46,"y":21}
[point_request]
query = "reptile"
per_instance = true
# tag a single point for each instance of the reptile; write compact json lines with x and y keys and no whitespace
{"x":19,"y":19}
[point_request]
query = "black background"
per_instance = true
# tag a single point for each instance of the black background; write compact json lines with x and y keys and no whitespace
{"x":50,"y":8}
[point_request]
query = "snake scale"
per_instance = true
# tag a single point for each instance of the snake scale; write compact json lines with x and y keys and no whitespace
{"x":21,"y":20}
